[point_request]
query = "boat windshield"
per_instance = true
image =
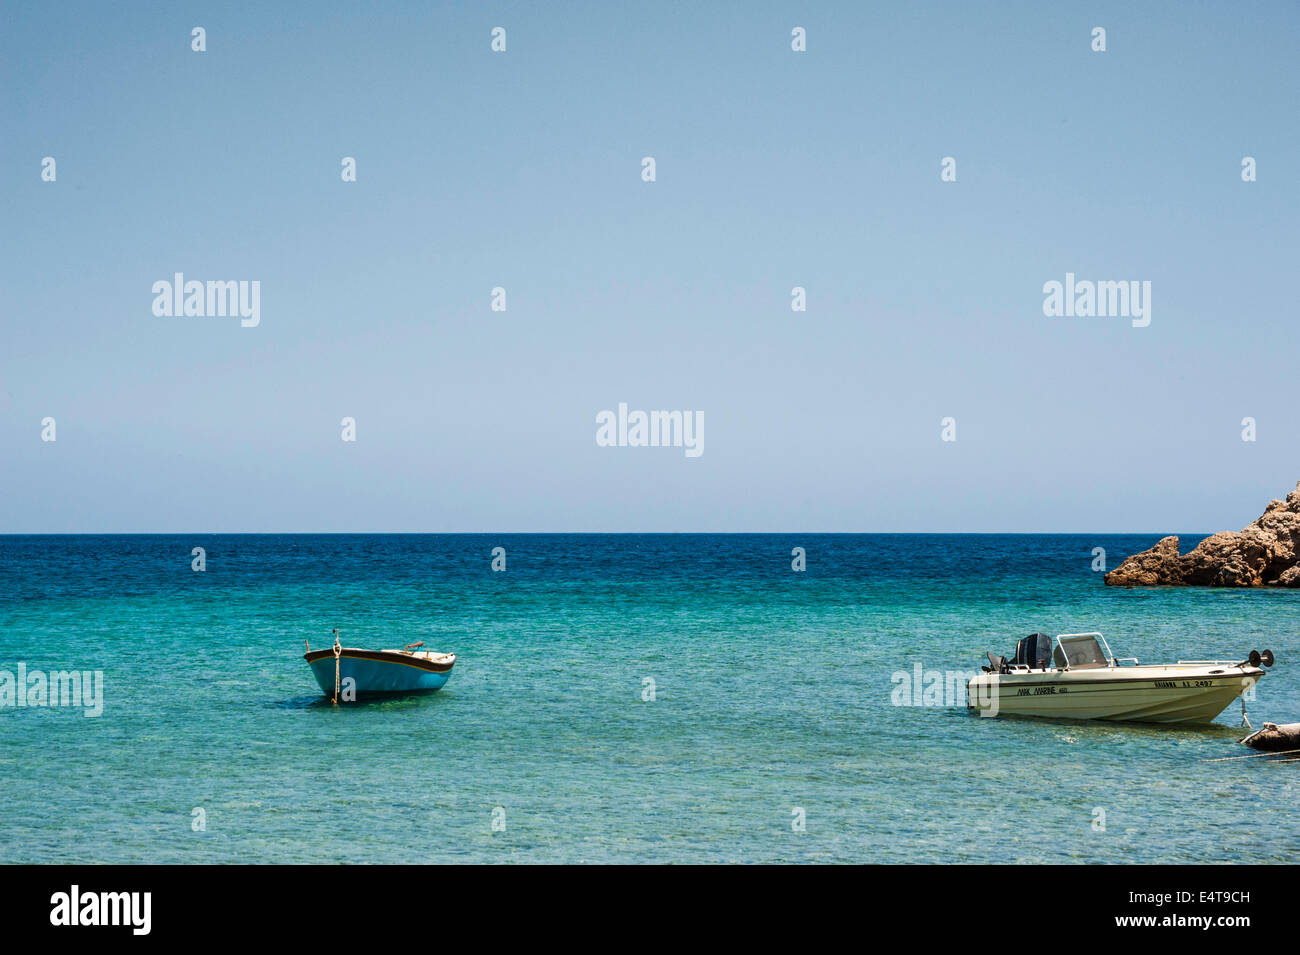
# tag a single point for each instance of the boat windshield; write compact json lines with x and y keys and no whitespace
{"x":1081,"y":652}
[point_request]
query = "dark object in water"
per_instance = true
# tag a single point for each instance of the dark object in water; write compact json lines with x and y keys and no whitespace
{"x":1273,"y":738}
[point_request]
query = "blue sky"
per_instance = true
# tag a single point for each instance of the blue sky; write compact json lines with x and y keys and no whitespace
{"x":522,"y":170}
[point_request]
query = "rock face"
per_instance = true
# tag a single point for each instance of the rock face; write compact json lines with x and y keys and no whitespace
{"x":1265,"y":554}
{"x":1273,"y":738}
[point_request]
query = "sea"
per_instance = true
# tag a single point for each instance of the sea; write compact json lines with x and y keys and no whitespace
{"x":622,"y":698}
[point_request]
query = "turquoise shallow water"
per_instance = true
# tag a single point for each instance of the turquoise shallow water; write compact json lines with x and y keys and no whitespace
{"x":772,"y":692}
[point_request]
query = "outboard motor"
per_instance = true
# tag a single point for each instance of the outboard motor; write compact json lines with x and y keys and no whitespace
{"x":1034,"y":651}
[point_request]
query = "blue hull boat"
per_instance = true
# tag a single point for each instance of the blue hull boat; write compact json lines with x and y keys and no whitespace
{"x":350,"y":673}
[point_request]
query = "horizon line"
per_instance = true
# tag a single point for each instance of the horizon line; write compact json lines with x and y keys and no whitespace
{"x":595,"y":533}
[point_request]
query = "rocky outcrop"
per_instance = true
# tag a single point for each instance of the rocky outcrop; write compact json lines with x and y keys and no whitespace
{"x":1265,"y":554}
{"x":1276,"y":739}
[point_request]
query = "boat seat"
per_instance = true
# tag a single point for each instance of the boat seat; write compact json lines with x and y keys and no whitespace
{"x":426,"y":655}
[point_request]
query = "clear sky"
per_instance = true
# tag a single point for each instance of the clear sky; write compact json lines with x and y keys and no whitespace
{"x":522,"y":169}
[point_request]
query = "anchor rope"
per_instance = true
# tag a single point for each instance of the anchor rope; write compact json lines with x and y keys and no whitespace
{"x":338,"y":650}
{"x":1280,"y":752}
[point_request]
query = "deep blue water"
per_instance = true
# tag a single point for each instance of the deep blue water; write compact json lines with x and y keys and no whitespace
{"x":772,"y":695}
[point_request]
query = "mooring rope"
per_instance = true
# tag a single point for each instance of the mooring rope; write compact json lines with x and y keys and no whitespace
{"x":1280,"y":752}
{"x":338,"y":650}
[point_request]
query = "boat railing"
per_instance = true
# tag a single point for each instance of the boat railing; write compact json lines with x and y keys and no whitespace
{"x":1202,"y":663}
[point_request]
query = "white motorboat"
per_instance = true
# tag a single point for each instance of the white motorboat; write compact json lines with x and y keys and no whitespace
{"x":1080,"y":679}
